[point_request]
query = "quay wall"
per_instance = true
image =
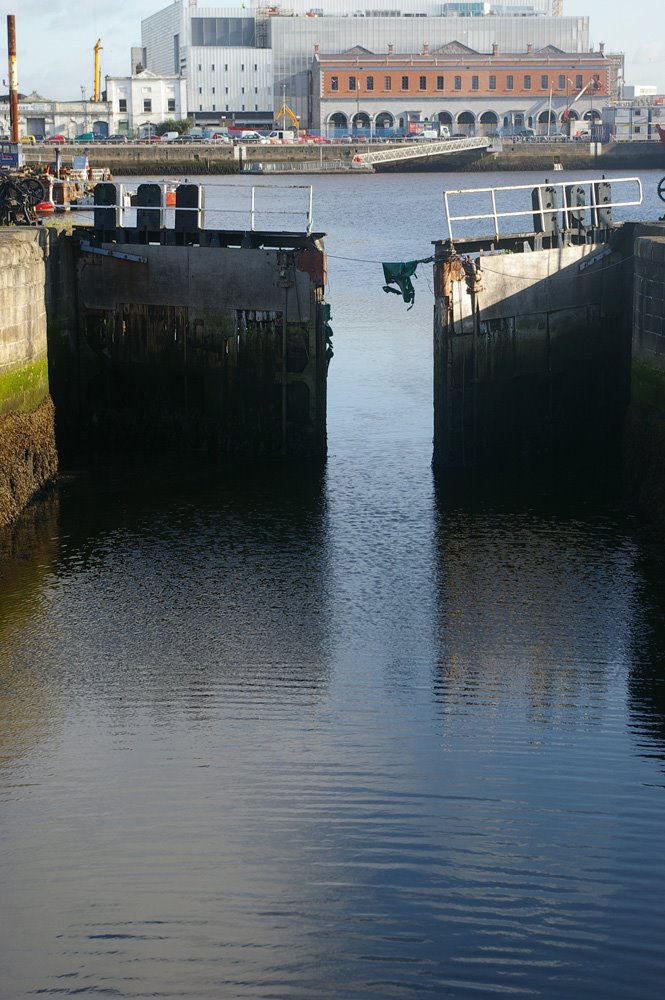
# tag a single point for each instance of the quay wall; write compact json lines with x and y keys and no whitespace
{"x":217,"y":349}
{"x":644,"y":435}
{"x":531,"y":353}
{"x":28,"y":457}
{"x":218,"y":159}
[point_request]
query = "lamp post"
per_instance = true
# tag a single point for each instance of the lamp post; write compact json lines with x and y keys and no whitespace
{"x":568,"y":82}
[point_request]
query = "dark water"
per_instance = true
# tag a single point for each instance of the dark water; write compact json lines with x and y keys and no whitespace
{"x":344,"y":733}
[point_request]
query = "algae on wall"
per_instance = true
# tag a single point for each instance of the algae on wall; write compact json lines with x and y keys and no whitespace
{"x":28,"y":457}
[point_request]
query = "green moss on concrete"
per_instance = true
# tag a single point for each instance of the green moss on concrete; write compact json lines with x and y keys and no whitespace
{"x":25,"y":388}
{"x":647,"y":388}
{"x":28,"y":457}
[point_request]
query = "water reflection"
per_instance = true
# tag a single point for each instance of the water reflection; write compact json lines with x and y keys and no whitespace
{"x":153,"y":562}
{"x":29,"y":709}
{"x":535,"y":582}
{"x":646,"y":684}
{"x":335,"y":736}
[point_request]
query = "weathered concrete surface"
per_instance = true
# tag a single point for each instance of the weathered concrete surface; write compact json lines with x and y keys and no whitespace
{"x":28,"y":457}
{"x":213,"y":348}
{"x":211,"y":159}
{"x":530,"y":353}
{"x":644,"y":436}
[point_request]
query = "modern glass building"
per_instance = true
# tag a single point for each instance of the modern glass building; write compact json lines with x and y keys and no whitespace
{"x":251,"y":59}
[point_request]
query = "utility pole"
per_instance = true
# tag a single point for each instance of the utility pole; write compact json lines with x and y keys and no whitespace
{"x":13,"y":85}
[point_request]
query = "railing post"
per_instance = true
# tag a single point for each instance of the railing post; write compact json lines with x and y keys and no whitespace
{"x":494,"y":212}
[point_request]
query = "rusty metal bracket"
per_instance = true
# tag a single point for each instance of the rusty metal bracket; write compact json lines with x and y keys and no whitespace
{"x":133,"y":258}
{"x":588,"y":261}
{"x":474,"y":281}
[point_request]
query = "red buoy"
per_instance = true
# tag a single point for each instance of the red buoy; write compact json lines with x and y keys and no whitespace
{"x":45,"y":208}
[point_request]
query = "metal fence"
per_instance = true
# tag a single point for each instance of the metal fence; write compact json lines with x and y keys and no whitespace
{"x":548,"y":199}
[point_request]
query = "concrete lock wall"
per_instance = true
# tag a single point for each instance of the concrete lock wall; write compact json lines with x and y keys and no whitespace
{"x":644,"y":437}
{"x":201,"y":347}
{"x":28,"y":457}
{"x":531,"y":353}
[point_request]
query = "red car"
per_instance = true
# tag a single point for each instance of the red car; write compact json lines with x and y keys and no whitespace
{"x":151,"y":138}
{"x":56,"y":139}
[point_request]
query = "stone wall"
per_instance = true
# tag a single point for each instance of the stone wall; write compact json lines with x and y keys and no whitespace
{"x":28,"y":457}
{"x":644,"y":437}
{"x":220,"y":349}
{"x":531,"y":354}
{"x":137,"y":160}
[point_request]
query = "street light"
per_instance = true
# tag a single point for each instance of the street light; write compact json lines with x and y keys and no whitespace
{"x":568,"y":81}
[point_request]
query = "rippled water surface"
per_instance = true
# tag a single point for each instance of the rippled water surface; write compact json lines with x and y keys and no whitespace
{"x":350,"y":732}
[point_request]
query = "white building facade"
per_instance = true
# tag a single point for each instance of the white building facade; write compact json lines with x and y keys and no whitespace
{"x":42,"y":117}
{"x":144,"y":99}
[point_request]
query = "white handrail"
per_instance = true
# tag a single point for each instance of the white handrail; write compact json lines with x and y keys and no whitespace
{"x":251,"y":211}
{"x":564,"y":207}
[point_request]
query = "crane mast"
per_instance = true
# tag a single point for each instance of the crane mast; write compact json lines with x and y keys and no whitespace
{"x":97,"y":86}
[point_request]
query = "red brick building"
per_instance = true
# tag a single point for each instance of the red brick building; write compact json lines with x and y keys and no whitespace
{"x":472,"y":92}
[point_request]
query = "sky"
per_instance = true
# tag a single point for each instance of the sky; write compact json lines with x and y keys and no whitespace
{"x":55,"y":39}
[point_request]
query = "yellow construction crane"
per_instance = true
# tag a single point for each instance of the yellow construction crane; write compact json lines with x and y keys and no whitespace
{"x":285,"y":112}
{"x":97,"y":86}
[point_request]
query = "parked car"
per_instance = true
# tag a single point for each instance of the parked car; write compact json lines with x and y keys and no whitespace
{"x":85,"y":137}
{"x":56,"y":139}
{"x":250,"y":135}
{"x":28,"y":140}
{"x":118,"y":137}
{"x":151,"y":138}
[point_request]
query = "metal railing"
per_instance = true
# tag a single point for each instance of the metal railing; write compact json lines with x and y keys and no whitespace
{"x":262,"y":203}
{"x":561,"y":205}
{"x":416,"y":149}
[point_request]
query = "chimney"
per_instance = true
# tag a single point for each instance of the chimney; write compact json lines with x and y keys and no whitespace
{"x":13,"y":84}
{"x":391,"y":49}
{"x":495,"y":49}
{"x":601,"y":48}
{"x":425,"y":49}
{"x":529,"y":48}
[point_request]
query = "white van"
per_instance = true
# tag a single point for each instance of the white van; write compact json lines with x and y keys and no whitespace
{"x":282,"y":136}
{"x":249,"y":135}
{"x":170,"y":136}
{"x":436,"y":132}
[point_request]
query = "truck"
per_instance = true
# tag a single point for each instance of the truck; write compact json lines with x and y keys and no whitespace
{"x":435,"y":131}
{"x":285,"y":135}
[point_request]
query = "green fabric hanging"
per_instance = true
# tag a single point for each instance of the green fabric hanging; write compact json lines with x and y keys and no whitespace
{"x":400,"y":274}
